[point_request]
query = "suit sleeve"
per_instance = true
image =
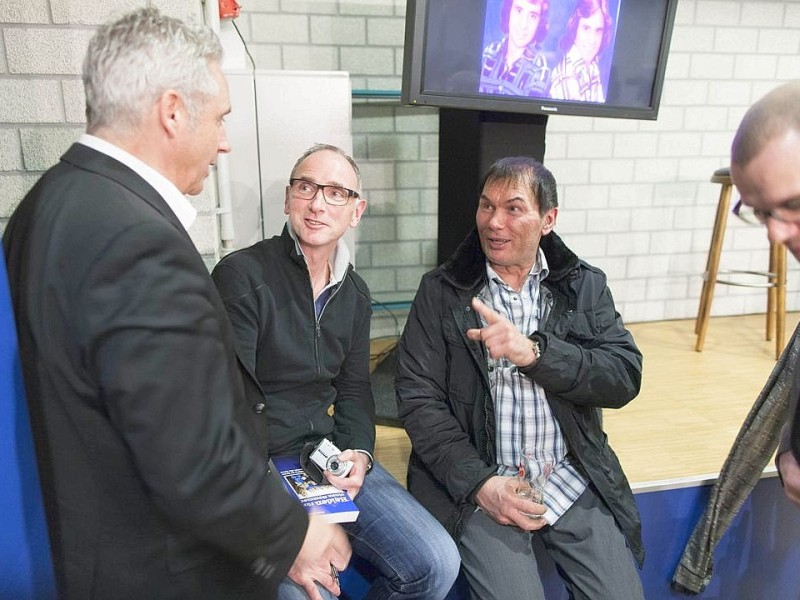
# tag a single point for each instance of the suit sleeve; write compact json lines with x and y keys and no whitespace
{"x":153,"y":339}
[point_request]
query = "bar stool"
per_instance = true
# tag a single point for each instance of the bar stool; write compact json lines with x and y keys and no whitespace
{"x":775,"y":275}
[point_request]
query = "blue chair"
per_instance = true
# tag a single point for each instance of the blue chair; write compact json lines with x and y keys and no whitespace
{"x":26,"y":571}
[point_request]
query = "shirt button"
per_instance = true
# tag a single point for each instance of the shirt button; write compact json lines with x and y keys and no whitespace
{"x":259,"y":408}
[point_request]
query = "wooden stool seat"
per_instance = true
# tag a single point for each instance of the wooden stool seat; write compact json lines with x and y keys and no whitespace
{"x":774,"y":276}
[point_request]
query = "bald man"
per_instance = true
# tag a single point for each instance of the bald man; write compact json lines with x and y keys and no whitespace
{"x":765,"y":167}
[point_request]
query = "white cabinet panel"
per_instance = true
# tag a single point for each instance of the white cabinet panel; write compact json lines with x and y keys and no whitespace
{"x":275,"y":117}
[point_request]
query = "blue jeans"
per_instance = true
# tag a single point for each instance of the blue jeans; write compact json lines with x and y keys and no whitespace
{"x":413,"y":555}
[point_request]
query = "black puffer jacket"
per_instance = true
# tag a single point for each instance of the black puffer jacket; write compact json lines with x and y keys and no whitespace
{"x":589,"y":361}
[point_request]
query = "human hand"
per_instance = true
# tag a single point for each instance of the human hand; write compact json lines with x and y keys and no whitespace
{"x":325,"y":545}
{"x":501,"y":338}
{"x":355,"y":478}
{"x":790,"y":473}
{"x":498,"y":499}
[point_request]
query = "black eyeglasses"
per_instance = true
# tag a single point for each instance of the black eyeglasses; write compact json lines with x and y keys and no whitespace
{"x":335,"y":195}
{"x":787,"y":213}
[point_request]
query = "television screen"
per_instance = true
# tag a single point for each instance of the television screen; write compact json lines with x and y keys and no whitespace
{"x":575,"y":57}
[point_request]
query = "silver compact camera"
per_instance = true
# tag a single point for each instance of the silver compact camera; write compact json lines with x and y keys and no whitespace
{"x":326,"y":456}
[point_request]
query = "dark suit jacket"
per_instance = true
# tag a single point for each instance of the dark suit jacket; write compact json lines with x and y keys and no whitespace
{"x":146,"y":430}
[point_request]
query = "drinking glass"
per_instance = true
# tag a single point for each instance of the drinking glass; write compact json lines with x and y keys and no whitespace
{"x":535,"y":467}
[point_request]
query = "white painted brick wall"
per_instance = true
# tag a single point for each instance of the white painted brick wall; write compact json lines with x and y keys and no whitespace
{"x":14,"y":189}
{"x":39,"y":51}
{"x":10,"y":150}
{"x":366,"y":7}
{"x":385,"y":32}
{"x":376,"y":228}
{"x":204,"y":234}
{"x":30,"y":101}
{"x":280,"y":29}
{"x":367,"y":61}
{"x":324,"y":58}
{"x":636,"y":197}
{"x":30,"y":11}
{"x":338,"y":31}
{"x":43,"y":147}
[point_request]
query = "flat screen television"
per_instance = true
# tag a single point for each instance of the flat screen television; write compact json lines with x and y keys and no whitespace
{"x":602,"y":58}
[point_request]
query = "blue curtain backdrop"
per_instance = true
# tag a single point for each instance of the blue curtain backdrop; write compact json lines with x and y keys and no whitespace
{"x":25,"y":567}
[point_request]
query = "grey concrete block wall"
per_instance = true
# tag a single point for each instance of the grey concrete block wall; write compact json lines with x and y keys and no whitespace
{"x":636,"y":197}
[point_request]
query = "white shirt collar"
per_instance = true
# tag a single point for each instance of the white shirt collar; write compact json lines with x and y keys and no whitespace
{"x":340,"y":260}
{"x":179,"y":204}
{"x":540,"y":270}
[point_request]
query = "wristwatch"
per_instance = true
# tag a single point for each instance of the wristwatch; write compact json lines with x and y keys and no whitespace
{"x":537,"y":352}
{"x":537,"y":349}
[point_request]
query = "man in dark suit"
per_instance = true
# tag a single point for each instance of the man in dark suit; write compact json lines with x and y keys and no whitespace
{"x":765,"y":167}
{"x":147,"y":436}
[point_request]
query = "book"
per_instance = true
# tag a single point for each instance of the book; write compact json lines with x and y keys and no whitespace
{"x":333,"y":504}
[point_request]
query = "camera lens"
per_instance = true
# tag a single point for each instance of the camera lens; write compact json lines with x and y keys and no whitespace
{"x":334,"y":465}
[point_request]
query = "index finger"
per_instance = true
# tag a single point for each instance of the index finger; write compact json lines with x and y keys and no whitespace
{"x":488,"y":313}
{"x":313,"y":592}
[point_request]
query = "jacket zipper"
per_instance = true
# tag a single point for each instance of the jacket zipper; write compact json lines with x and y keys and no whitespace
{"x":317,"y":319}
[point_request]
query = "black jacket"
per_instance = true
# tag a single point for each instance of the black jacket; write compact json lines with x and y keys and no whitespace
{"x":303,"y":364}
{"x":144,"y":426}
{"x":589,"y":361}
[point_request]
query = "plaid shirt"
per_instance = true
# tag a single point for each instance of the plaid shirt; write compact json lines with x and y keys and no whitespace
{"x":573,"y":79}
{"x":523,"y":415}
{"x":528,"y":76}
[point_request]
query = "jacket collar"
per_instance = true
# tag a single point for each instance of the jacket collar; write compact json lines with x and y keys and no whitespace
{"x":341,"y":254}
{"x":466,"y":269}
{"x":94,"y":161}
{"x":177,"y":201}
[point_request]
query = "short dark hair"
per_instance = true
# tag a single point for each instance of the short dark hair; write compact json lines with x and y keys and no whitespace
{"x":528,"y":172}
{"x":541,"y":30}
{"x":583,"y":10}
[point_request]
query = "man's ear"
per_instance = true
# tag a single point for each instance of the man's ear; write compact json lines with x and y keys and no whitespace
{"x":549,"y":220}
{"x":172,"y":112}
{"x":361,"y":206}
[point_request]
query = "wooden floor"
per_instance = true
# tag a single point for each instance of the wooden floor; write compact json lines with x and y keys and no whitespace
{"x":691,"y":405}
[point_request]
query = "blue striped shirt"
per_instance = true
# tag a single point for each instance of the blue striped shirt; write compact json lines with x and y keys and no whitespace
{"x":523,"y":415}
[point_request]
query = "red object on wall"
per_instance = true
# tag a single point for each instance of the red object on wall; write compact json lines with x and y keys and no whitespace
{"x":229,"y":9}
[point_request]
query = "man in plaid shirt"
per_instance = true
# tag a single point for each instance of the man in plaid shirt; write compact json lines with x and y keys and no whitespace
{"x":515,"y":342}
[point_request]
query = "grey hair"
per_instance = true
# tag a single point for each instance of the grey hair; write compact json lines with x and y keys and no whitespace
{"x":529,"y":173}
{"x":319,"y":148}
{"x":772,"y":115}
{"x":132,"y":61}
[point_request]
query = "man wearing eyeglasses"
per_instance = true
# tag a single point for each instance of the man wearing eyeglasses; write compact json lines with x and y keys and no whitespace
{"x":765,"y":167}
{"x":302,"y":316}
